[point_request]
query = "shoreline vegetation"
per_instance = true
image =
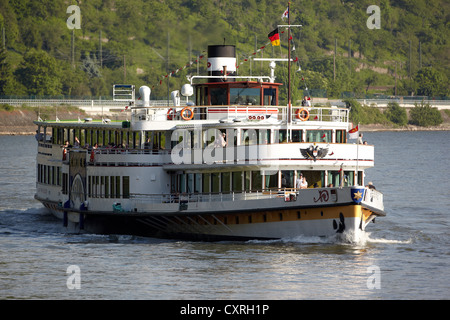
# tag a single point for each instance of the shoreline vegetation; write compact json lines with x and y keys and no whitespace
{"x":19,"y":120}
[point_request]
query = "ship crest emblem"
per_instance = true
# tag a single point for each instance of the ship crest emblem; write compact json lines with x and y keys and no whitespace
{"x":314,"y":152}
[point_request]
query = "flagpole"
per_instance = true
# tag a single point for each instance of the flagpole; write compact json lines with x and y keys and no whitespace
{"x":357,"y":159}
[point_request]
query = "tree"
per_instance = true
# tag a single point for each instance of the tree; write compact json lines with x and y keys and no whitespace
{"x":424,"y":115}
{"x":396,"y":114}
{"x":6,"y":75}
{"x":431,"y":82}
{"x":40,"y":73}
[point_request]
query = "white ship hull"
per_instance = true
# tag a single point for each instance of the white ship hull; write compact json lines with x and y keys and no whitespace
{"x":282,"y":217}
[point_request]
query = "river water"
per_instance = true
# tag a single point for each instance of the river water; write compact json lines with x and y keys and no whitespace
{"x":404,"y":255}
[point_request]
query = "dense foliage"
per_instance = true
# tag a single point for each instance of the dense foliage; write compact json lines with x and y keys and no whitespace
{"x":396,"y":114}
{"x":141,"y":41}
{"x":424,"y":115}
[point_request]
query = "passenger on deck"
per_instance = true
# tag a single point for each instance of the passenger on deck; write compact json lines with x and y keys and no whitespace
{"x":360,"y":140}
{"x":39,"y":136}
{"x":304,"y":184}
{"x":306,"y":102}
{"x":220,"y":141}
{"x":371,"y":186}
{"x":301,"y":182}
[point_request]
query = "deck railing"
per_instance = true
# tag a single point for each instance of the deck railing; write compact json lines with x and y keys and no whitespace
{"x":241,"y":112}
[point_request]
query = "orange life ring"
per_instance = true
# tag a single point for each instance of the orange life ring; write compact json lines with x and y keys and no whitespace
{"x":187,"y":118}
{"x":300,"y":114}
{"x":170,"y":114}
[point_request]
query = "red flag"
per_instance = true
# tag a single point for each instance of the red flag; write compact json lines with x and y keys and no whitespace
{"x":353,"y":134}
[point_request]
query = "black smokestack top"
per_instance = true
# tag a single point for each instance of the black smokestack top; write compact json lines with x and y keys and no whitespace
{"x":221,"y":57}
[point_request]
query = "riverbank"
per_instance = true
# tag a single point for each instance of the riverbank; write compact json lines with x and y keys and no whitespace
{"x":20,"y":122}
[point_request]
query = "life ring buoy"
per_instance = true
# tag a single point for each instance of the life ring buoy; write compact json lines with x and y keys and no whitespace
{"x":184,"y":117}
{"x":170,"y":114}
{"x":303,"y":114}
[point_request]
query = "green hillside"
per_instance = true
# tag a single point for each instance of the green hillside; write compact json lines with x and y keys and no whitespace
{"x":140,"y":42}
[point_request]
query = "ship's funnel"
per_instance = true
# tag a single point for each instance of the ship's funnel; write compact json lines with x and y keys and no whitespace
{"x":145,"y":92}
{"x":221,"y":61}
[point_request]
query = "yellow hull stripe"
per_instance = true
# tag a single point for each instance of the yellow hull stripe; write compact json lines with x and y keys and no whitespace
{"x":348,"y":211}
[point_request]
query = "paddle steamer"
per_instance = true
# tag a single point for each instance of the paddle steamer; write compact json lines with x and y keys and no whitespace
{"x":231,"y":163}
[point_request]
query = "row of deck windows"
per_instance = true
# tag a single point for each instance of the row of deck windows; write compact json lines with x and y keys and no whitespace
{"x":240,"y":181}
{"x":109,"y":187}
{"x":162,"y":139}
{"x":49,"y":174}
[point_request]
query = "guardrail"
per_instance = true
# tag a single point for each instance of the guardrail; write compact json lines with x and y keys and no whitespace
{"x":111,"y":105}
{"x":407,"y":103}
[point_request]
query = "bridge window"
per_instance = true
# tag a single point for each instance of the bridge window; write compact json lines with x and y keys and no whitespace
{"x":245,"y":96}
{"x":270,"y":97}
{"x":218,"y":96}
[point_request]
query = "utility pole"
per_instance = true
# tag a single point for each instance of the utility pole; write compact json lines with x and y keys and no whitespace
{"x":349,"y":55}
{"x":420,"y":55}
{"x":73,"y":48}
{"x":100,"y":48}
{"x":410,"y":55}
{"x":334,"y":59}
{"x":395,"y":92}
{"x":124,"y":70}
{"x":167,"y":68}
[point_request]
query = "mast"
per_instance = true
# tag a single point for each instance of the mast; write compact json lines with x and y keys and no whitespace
{"x":289,"y":64}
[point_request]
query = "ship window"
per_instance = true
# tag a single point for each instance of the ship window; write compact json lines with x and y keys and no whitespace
{"x":297,"y":135}
{"x":270,"y":97}
{"x":318,"y":135}
{"x":106,"y":187}
{"x":341,"y":136}
{"x":281,"y":136}
{"x":190,"y":182}
{"x":198,"y":182}
{"x":247,"y":177}
{"x":249,"y":137}
{"x":126,"y":187}
{"x":245,"y":96}
{"x":206,"y":183}
{"x":65,"y":180}
{"x":237,"y":181}
{"x":215,"y":182}
{"x":117,"y":187}
{"x":270,"y":180}
{"x":263,"y":136}
{"x":335,"y":178}
{"x":218,"y":96}
{"x":256,"y":180}
{"x":287,"y":179}
{"x":226,"y":182}
{"x":182,"y":183}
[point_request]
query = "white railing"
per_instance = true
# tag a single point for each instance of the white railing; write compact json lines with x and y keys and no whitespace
{"x":209,"y":197}
{"x":249,"y":112}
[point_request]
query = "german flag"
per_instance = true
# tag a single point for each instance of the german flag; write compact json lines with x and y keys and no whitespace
{"x":274,"y":37}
